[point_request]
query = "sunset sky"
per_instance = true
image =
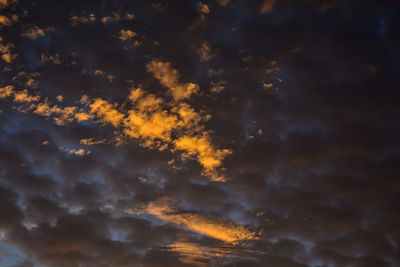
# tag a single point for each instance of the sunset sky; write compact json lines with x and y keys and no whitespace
{"x":151,"y":133}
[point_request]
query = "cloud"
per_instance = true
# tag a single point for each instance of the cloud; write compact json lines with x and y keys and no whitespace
{"x":126,"y":35}
{"x":91,"y":141}
{"x":34,"y":33}
{"x":169,"y":77}
{"x":150,"y":125}
{"x":173,"y":126}
{"x":267,"y":6}
{"x":6,"y":91}
{"x":117,"y":17}
{"x":7,"y":20}
{"x":150,"y":122}
{"x":76,"y":152}
{"x":61,"y":116}
{"x":218,"y":86}
{"x":200,"y":146}
{"x":4,"y":3}
{"x":55,"y":59}
{"x":106,"y":112}
{"x":24,"y":97}
{"x":319,"y":181}
{"x":202,"y":8}
{"x":205,"y":52}
{"x":105,"y":75}
{"x":223,"y":2}
{"x":76,"y":20}
{"x":5,"y":51}
{"x":195,"y":254}
{"x":165,"y":209}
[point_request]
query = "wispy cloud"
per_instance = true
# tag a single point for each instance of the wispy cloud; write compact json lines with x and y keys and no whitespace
{"x":166,"y":209}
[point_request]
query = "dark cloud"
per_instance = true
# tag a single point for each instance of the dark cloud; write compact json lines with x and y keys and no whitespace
{"x":302,"y":94}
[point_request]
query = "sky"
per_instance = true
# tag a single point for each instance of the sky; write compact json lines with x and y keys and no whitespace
{"x":199,"y":133}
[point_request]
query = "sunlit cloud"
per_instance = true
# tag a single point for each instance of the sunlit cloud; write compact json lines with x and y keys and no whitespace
{"x":151,"y":120}
{"x":166,"y":210}
{"x":196,"y":254}
{"x":169,"y":77}
{"x":80,"y":152}
{"x":92,"y":141}
{"x":5,"y":50}
{"x":34,"y":33}
{"x":267,"y":6}
{"x":202,"y":8}
{"x":204,"y":52}
{"x":126,"y":35}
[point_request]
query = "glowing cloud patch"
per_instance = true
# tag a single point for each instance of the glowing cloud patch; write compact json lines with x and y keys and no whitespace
{"x":195,"y":254}
{"x":165,"y":209}
{"x":169,"y":77}
{"x":201,"y":147}
{"x":154,"y":122}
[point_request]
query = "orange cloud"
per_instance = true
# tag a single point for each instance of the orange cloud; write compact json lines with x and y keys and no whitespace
{"x":267,"y":6}
{"x":126,"y":35}
{"x":165,"y":209}
{"x":34,"y":33}
{"x":155,"y":123}
{"x":3,"y":3}
{"x":5,"y":50}
{"x":205,"y":52}
{"x":200,"y":147}
{"x":6,"y":91}
{"x":151,"y":121}
{"x":76,"y":152}
{"x":25,"y":97}
{"x":106,"y":112}
{"x":91,"y":141}
{"x":169,"y":77}
{"x":202,"y":8}
{"x":195,"y":254}
{"x":62,"y":116}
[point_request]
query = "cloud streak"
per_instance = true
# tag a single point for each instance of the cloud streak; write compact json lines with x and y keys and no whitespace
{"x":166,"y":209}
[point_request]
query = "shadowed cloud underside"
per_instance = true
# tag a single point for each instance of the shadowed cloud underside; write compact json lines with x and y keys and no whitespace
{"x":199,"y":133}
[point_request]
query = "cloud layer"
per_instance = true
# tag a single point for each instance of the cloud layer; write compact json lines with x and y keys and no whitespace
{"x":199,"y":133}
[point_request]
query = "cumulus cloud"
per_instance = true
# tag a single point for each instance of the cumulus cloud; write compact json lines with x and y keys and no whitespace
{"x":6,"y":91}
{"x":151,"y":123}
{"x":106,"y":112}
{"x":25,"y":97}
{"x":155,"y":123}
{"x":5,"y":51}
{"x":169,"y":77}
{"x":313,"y":177}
